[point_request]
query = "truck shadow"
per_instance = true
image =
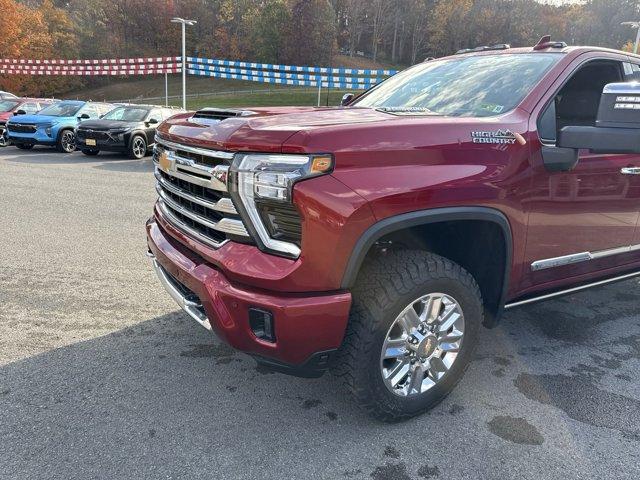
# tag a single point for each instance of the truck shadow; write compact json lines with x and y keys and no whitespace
{"x":165,"y":385}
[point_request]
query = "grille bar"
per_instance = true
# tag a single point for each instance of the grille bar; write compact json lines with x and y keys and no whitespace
{"x":192,"y":187}
{"x":224,"y":205}
{"x":192,"y":232}
{"x":198,"y":151}
{"x":225,"y":225}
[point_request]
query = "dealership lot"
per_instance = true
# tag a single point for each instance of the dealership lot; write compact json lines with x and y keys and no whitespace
{"x":102,"y":377}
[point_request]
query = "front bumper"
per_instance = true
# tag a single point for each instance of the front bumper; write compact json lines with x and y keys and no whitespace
{"x":109,"y":145}
{"x":308,"y":327}
{"x":39,"y":137}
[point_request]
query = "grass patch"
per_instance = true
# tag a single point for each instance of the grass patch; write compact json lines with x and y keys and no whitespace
{"x":272,"y":98}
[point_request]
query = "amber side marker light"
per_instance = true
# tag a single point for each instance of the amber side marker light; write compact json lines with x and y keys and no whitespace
{"x":321,"y":164}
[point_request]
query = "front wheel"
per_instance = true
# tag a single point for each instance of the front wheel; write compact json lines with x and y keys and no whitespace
{"x":4,"y":141}
{"x":66,"y":141}
{"x":137,"y":147}
{"x":412,"y":330}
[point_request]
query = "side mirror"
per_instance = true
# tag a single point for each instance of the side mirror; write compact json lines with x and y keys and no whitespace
{"x":152,"y":121}
{"x":84,"y":116}
{"x":19,"y":112}
{"x":617,"y":127}
{"x":346,"y":99}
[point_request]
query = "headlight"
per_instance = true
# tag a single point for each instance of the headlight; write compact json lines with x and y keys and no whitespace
{"x":117,"y":131}
{"x":262,"y":188}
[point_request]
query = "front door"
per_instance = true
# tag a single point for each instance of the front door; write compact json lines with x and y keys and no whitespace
{"x":584,"y":220}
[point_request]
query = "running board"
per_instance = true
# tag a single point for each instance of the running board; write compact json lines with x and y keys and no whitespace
{"x":571,"y":290}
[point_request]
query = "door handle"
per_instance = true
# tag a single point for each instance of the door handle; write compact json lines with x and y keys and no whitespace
{"x":630,"y":171}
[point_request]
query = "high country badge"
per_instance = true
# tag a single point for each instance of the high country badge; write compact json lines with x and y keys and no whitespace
{"x":500,"y":137}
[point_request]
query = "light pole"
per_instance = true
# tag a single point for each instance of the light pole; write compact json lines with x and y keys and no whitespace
{"x":184,"y":55}
{"x":635,"y":25}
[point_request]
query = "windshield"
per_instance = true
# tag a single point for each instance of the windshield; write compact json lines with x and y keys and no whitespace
{"x":61,"y":110}
{"x":127,"y":114}
{"x":7,"y":105}
{"x":480,"y":86}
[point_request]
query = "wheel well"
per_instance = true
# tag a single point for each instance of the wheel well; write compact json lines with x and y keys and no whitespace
{"x":62,"y":130}
{"x":479,"y":246}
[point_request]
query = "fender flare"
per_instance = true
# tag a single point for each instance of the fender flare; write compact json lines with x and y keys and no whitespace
{"x":425,"y":217}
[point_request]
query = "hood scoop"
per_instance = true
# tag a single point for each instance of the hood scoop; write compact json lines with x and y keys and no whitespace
{"x":215,"y":115}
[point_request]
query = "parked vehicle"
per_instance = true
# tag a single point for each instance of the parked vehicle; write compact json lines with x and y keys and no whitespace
{"x":129,"y":129}
{"x":18,"y":106}
{"x":4,"y":95}
{"x":377,"y":238}
{"x":54,"y":125}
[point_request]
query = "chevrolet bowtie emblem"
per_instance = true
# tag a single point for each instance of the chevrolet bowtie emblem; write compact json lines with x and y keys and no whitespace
{"x":221,"y":175}
{"x":165,"y":162}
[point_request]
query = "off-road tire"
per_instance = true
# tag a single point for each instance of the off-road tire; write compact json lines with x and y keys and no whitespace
{"x":385,"y":286}
{"x":91,"y":153}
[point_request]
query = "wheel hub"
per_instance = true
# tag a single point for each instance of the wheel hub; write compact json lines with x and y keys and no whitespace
{"x":422,"y":344}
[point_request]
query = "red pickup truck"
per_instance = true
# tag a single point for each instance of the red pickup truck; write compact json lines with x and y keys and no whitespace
{"x":377,"y":237}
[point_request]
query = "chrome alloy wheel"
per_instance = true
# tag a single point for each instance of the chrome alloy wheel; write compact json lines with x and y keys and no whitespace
{"x":422,"y":344}
{"x":68,"y":141}
{"x":3,"y":138}
{"x":139,"y":147}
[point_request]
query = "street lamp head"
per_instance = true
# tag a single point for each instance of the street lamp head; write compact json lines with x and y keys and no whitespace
{"x":182,"y":20}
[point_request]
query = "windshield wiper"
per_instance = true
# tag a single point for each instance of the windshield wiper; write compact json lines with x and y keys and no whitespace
{"x":408,"y":111}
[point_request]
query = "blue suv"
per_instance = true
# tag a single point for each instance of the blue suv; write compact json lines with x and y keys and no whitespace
{"x":54,"y":125}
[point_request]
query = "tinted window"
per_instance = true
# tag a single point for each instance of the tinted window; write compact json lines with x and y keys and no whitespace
{"x":7,"y":105}
{"x":29,"y":108}
{"x":480,"y":86}
{"x":103,"y":108}
{"x":631,"y":72}
{"x":127,"y":114}
{"x":61,"y":110}
{"x":88,"y":110}
{"x":156,"y":114}
{"x":577,"y":102}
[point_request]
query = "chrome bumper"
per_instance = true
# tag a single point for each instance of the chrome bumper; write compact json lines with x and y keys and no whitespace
{"x":190,"y":304}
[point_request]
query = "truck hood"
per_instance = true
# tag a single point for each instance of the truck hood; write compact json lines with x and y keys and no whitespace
{"x":328,"y":130}
{"x":262,"y":129}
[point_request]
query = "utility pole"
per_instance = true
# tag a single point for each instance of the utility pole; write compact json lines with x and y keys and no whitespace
{"x":184,"y":55}
{"x":635,"y":25}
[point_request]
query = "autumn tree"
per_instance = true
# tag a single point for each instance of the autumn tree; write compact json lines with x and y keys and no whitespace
{"x":269,"y":29}
{"x":310,"y":36}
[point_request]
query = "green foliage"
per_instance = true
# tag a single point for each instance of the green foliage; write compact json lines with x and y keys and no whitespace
{"x":311,"y":33}
{"x":268,"y":31}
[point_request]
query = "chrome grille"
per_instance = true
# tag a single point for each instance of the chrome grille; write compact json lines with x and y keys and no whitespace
{"x":193,"y":195}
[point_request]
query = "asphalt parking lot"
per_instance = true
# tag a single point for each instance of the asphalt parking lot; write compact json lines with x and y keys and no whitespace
{"x":101,"y":377}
